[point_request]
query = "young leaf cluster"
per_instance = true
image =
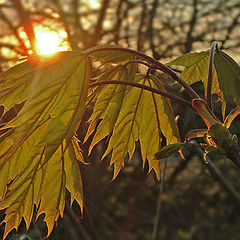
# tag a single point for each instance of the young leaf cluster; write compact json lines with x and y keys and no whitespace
{"x":220,"y":75}
{"x":39,"y":152}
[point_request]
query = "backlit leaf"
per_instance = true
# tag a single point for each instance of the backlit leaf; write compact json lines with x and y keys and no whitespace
{"x":228,"y":75}
{"x":108,"y":103}
{"x":169,"y":150}
{"x":196,"y":69}
{"x":39,"y":152}
{"x":196,"y":133}
{"x":142,"y":116}
{"x":231,"y":116}
{"x":111,"y":55}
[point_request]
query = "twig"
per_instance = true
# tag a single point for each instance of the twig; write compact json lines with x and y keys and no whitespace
{"x":150,"y":32}
{"x":109,"y":221}
{"x":141,"y":62}
{"x":159,"y":203}
{"x":192,"y":23}
{"x":72,"y":232}
{"x":140,"y":32}
{"x":37,"y":230}
{"x":77,"y":223}
{"x":181,"y":167}
{"x":153,"y":61}
{"x":142,"y":86}
{"x":217,"y":174}
{"x":91,"y":223}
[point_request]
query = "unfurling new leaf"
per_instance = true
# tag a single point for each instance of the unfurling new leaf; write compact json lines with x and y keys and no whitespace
{"x":225,"y":76}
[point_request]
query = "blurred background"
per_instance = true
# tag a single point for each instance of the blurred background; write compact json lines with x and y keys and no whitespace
{"x":195,"y":202}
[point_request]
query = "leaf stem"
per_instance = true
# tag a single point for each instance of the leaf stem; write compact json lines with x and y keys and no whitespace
{"x":151,"y":60}
{"x":210,"y":71}
{"x":142,"y":86}
{"x":141,"y":62}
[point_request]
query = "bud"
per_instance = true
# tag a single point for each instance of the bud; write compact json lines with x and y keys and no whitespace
{"x":200,"y":106}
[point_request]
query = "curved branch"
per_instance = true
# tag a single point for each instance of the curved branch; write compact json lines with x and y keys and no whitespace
{"x":141,"y":62}
{"x":151,"y":60}
{"x":142,"y":86}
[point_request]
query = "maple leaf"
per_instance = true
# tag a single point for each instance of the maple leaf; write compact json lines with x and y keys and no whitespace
{"x":138,"y":115}
{"x":228,"y":72}
{"x":39,"y":154}
{"x":110,"y":54}
{"x":196,"y":69}
{"x":108,"y":102}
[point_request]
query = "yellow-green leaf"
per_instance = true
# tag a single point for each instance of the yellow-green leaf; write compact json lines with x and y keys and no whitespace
{"x":111,"y":54}
{"x":196,"y":69}
{"x":40,"y":152}
{"x":228,"y":72}
{"x":142,"y":116}
{"x":169,"y":150}
{"x":231,"y":116}
{"x":108,"y":102}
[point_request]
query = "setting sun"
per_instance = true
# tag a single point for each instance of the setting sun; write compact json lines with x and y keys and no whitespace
{"x":50,"y":41}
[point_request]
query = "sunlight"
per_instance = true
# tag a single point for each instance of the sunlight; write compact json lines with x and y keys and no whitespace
{"x":49,"y":41}
{"x":94,"y":4}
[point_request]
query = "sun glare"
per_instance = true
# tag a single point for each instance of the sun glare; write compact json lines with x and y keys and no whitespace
{"x":49,"y":41}
{"x":94,"y":4}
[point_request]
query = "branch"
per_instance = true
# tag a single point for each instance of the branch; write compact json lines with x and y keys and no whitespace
{"x":63,"y":19}
{"x":230,"y":29}
{"x":142,"y":86}
{"x":209,"y":82}
{"x":192,"y":23}
{"x":217,"y":174}
{"x":141,"y":62}
{"x":92,"y":227}
{"x":24,"y":19}
{"x":153,"y":61}
{"x":108,"y":220}
{"x":150,"y":32}
{"x":75,"y":221}
{"x":15,"y":32}
{"x":78,"y":28}
{"x":101,"y":17}
{"x":118,"y":21}
{"x":143,"y":17}
{"x":126,"y":27}
{"x":159,"y":202}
